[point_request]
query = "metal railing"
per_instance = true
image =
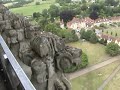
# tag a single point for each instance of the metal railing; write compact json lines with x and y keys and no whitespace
{"x":24,"y":80}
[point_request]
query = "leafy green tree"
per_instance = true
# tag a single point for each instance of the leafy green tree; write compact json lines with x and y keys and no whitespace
{"x":45,"y":13}
{"x":113,"y":49}
{"x":83,"y":1}
{"x":88,"y":34}
{"x":116,"y":34}
{"x":53,"y":11}
{"x":93,"y":38}
{"x":95,"y":7}
{"x":43,"y":22}
{"x":112,"y":2}
{"x":84,"y":7}
{"x":36,"y":15}
{"x":111,"y":33}
{"x":94,"y":15}
{"x":82,"y":33}
{"x":51,"y":27}
{"x":37,"y":3}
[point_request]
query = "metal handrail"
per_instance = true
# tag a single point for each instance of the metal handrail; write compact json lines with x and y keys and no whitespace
{"x":26,"y":83}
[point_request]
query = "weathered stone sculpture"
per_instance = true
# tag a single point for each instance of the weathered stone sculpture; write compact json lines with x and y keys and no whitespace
{"x":45,"y":54}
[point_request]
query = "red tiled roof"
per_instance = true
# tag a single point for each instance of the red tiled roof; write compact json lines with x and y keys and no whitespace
{"x":118,"y":39}
{"x":107,"y":37}
{"x":104,"y":36}
{"x":89,"y":21}
{"x":112,"y":38}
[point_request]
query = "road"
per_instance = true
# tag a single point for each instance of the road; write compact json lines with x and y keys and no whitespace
{"x":92,"y":68}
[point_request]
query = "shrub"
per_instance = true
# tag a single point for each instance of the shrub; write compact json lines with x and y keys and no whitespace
{"x":113,"y":49}
{"x":102,"y":41}
{"x":36,"y":15}
{"x":71,"y":69}
{"x":84,"y":61}
{"x":103,"y":25}
{"x":37,"y":3}
{"x":83,"y":64}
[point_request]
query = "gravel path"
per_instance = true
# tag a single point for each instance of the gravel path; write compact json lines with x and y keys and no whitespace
{"x":92,"y":68}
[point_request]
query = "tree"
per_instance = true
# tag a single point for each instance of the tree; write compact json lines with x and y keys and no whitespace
{"x":116,"y":34}
{"x":37,"y":3}
{"x":51,"y":27}
{"x":111,"y":33}
{"x":94,"y":15}
{"x":53,"y":11}
{"x":82,"y":33}
{"x":95,"y":7}
{"x":84,"y":7}
{"x":45,"y":13}
{"x":66,"y":16}
{"x":93,"y":38}
{"x":88,"y":34}
{"x":36,"y":14}
{"x":83,"y":1}
{"x":113,"y":49}
{"x":112,"y":2}
{"x":43,"y":22}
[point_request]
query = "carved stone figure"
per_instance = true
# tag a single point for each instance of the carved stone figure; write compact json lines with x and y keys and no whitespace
{"x":44,"y":53}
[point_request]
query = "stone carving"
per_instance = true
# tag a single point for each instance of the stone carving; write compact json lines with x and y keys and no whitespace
{"x":45,"y":54}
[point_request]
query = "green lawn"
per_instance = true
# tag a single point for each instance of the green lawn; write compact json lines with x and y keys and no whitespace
{"x":30,"y":9}
{"x":96,"y":52}
{"x":41,"y":2}
{"x":94,"y":79}
{"x":114,"y":84}
{"x":114,"y":30}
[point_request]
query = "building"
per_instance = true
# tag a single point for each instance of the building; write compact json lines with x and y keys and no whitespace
{"x":77,"y":23}
{"x":109,"y":39}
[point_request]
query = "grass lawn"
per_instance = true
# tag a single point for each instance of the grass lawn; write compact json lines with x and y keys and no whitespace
{"x":94,"y":79}
{"x":41,"y":2}
{"x":114,"y":30}
{"x":30,"y":9}
{"x":114,"y":84}
{"x":96,"y":52}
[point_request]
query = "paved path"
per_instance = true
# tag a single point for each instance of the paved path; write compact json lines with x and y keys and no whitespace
{"x":94,"y":67}
{"x":109,"y":78}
